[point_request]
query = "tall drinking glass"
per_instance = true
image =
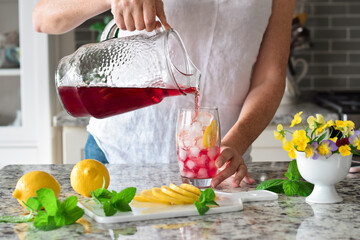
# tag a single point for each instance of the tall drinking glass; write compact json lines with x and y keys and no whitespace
{"x":198,"y":145}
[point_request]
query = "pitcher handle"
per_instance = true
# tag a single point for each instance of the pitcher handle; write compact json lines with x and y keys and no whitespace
{"x":111,"y":27}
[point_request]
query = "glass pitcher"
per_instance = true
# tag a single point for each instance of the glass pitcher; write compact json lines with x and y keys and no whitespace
{"x":122,"y":74}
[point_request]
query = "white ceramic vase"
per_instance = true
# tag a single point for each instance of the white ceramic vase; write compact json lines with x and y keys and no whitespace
{"x":324,"y":173}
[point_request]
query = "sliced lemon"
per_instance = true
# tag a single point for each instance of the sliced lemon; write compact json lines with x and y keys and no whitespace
{"x":210,"y":135}
{"x":147,"y":194}
{"x":140,"y":198}
{"x":176,"y":195}
{"x":190,"y":188}
{"x":183,"y":191}
{"x":159,"y":194}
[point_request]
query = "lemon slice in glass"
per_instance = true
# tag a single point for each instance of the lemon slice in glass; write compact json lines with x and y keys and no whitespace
{"x":183,"y":191}
{"x":176,"y":195}
{"x":190,"y":188}
{"x":161,"y":195}
{"x":210,"y":135}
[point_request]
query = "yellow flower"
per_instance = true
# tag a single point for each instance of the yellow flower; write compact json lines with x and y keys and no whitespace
{"x":346,"y":127}
{"x":317,"y":123}
{"x":334,"y":139}
{"x":345,"y":150}
{"x":289,"y":147}
{"x":296,"y":120}
{"x":280,"y":133}
{"x":300,"y":140}
{"x":330,"y":123}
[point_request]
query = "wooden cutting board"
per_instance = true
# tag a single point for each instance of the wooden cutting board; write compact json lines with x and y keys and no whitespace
{"x":228,"y":202}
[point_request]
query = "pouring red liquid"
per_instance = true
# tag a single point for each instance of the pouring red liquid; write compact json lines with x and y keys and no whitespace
{"x":101,"y":102}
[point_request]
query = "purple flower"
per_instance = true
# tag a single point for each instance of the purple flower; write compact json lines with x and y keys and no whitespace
{"x":355,"y":138}
{"x":311,"y":151}
{"x":326,"y":148}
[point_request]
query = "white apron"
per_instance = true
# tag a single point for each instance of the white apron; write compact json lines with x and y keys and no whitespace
{"x":223,"y":38}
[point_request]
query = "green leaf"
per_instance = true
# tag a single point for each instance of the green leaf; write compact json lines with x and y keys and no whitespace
{"x":293,"y":172}
{"x":97,"y":26}
{"x":33,"y":203}
{"x":121,"y":205}
{"x":209,"y":194}
{"x":109,"y":209}
{"x":202,"y":208}
{"x":69,"y":203}
{"x":322,"y":137}
{"x":305,"y":188}
{"x":44,"y":222}
{"x":290,"y":187}
{"x":276,"y":189}
{"x":47,"y":198}
{"x":127,"y":194}
{"x":202,"y":197}
{"x":59,"y":218}
{"x":16,"y":219}
{"x":73,"y":215}
{"x":211,"y":203}
{"x":271,"y":183}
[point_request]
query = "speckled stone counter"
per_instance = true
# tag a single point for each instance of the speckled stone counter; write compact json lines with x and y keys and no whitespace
{"x":285,"y":218}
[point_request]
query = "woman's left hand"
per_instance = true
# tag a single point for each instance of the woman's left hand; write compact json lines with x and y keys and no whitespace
{"x":234,"y":164}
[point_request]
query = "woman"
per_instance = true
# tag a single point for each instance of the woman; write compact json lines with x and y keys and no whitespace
{"x":240,"y":46}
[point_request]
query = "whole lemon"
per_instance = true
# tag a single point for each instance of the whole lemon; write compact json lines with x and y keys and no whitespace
{"x":88,"y":175}
{"x":29,"y":183}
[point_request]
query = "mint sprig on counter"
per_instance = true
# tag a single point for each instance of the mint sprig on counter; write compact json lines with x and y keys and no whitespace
{"x":291,"y":186}
{"x":206,"y":199}
{"x":55,"y":214}
{"x":113,"y":201}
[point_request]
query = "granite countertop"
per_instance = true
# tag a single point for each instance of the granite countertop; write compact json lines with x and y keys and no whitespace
{"x":283,"y":115}
{"x":285,"y":218}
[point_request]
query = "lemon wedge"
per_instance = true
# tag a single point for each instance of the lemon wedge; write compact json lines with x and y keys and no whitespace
{"x":183,"y":191}
{"x":147,"y":194}
{"x":190,"y":188}
{"x":140,"y":198}
{"x":176,"y":195}
{"x":161,"y":195}
{"x":210,"y":135}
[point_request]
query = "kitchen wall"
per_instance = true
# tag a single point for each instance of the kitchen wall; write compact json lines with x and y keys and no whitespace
{"x":334,"y":59}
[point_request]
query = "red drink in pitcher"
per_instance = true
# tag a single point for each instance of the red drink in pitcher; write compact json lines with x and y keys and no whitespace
{"x":101,"y":102}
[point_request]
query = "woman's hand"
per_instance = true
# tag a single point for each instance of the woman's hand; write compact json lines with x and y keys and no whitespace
{"x":138,"y":14}
{"x":234,"y":163}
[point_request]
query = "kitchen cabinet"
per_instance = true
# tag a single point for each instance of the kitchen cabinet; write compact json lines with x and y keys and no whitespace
{"x":27,"y":92}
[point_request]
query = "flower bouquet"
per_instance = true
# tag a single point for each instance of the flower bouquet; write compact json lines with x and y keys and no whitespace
{"x":320,"y":138}
{"x":322,"y":153}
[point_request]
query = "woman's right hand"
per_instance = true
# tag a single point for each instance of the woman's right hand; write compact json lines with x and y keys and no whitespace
{"x":138,"y":14}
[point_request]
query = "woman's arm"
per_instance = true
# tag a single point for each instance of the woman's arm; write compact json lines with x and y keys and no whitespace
{"x":266,"y":90}
{"x":60,"y":16}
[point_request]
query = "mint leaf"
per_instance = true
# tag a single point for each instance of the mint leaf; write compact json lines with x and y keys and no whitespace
{"x":305,"y":188}
{"x":121,"y":205}
{"x":69,"y":203}
{"x":16,"y":219}
{"x":293,"y":172}
{"x":44,"y":222}
{"x":33,"y":204}
{"x":47,"y":198}
{"x":276,"y":189}
{"x":127,"y":194}
{"x":202,"y":208}
{"x":212,"y":203}
{"x":59,"y":218}
{"x":266,"y":185}
{"x":290,"y":188}
{"x":209,"y":194}
{"x":202,"y":197}
{"x":109,"y":209}
{"x":71,"y":216}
